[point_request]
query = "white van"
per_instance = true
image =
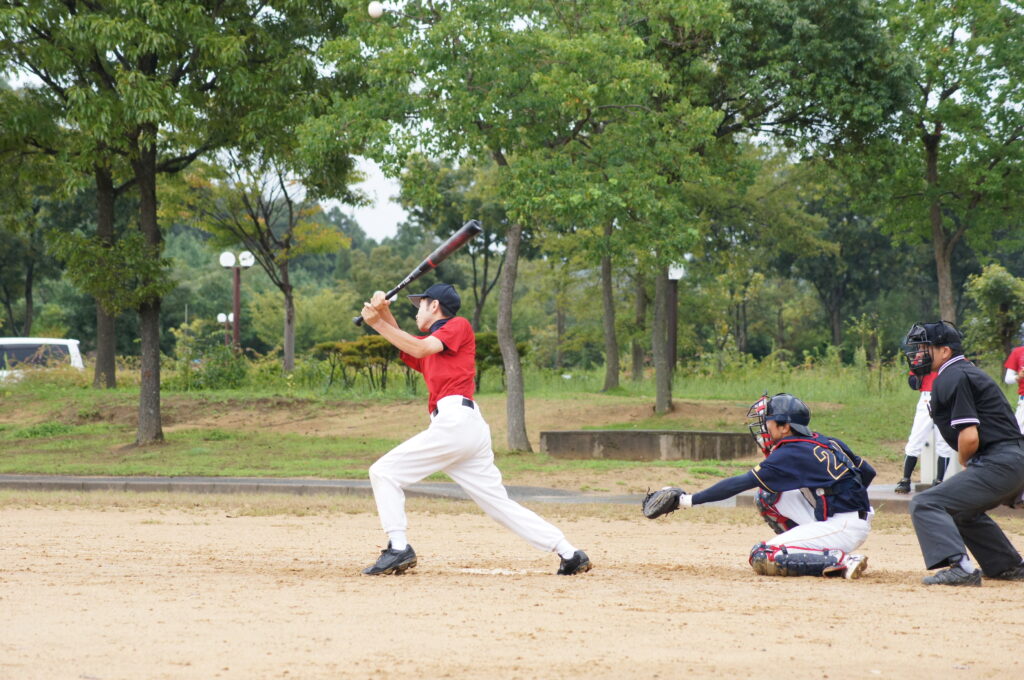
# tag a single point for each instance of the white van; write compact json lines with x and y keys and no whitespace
{"x":15,"y":352}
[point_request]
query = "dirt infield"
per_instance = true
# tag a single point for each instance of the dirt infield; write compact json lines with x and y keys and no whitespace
{"x":199,"y":592}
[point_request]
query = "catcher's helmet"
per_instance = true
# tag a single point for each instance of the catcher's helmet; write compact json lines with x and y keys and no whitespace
{"x":782,"y":408}
{"x":939,"y":334}
{"x":785,"y":408}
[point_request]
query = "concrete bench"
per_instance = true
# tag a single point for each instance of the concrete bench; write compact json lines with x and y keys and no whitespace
{"x":647,"y":444}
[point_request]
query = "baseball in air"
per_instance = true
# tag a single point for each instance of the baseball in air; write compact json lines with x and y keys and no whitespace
{"x":375,"y":9}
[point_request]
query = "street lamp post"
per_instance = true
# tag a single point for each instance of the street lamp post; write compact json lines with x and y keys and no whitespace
{"x":228,"y":261}
{"x":676,"y":271}
{"x":226,"y":319}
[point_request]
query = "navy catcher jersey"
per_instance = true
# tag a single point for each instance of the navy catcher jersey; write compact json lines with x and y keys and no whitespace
{"x":835,"y":475}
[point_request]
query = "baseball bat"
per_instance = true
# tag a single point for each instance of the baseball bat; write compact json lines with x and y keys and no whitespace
{"x":454,"y":242}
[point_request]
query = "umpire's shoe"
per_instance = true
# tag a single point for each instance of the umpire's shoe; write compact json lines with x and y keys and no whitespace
{"x":392,"y":561}
{"x":577,"y":564}
{"x":1011,"y":574}
{"x":954,"y":576}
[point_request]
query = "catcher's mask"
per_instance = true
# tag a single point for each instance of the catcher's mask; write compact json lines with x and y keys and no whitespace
{"x":921,"y":336}
{"x":757,"y":427}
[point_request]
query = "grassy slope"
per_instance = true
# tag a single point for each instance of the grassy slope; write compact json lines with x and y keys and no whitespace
{"x":60,"y":426}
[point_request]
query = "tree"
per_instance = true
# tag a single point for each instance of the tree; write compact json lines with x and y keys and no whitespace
{"x":998,"y":299}
{"x":147,"y":88}
{"x":953,"y":169}
{"x":441,"y":197}
{"x":255,"y":202}
{"x":523,"y":82}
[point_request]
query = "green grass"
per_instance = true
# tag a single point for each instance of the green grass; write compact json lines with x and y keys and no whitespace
{"x":65,"y":427}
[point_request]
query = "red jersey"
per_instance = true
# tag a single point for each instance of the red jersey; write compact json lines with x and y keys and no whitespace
{"x":926,"y":381}
{"x":1015,"y":362}
{"x":453,"y":369}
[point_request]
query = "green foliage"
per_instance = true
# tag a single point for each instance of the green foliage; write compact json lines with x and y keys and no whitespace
{"x":120,"y":276}
{"x":320,"y":315}
{"x":203,"y":361}
{"x":998,"y":310}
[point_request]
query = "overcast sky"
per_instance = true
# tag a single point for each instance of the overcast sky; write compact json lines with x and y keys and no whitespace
{"x":379,"y":220}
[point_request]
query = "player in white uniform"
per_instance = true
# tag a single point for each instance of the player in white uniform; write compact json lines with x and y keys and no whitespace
{"x":458,"y":440}
{"x":921,"y":432}
{"x":1014,"y":366}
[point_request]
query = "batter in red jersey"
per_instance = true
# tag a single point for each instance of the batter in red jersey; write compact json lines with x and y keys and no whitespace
{"x":458,"y":440}
{"x":1014,"y":368}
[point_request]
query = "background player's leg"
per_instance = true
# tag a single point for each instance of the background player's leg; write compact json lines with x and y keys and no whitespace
{"x":919,"y":433}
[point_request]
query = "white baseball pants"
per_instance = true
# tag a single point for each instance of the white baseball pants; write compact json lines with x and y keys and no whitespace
{"x":922,"y":429}
{"x":1019,"y":413}
{"x":458,"y":443}
{"x":845,"y":531}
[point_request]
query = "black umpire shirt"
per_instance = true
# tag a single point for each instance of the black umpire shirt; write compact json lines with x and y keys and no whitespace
{"x":964,"y":395}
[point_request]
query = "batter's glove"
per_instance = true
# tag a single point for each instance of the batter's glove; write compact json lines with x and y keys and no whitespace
{"x":664,"y":501}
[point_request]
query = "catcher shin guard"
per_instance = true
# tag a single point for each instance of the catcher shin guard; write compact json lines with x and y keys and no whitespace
{"x":765,"y":503}
{"x":777,"y":560}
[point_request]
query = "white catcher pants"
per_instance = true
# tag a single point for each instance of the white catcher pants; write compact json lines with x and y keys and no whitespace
{"x":844,"y":531}
{"x":458,"y":443}
{"x":922,"y":429}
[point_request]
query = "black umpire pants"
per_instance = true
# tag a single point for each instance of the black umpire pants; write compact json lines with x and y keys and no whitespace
{"x":953,"y":514}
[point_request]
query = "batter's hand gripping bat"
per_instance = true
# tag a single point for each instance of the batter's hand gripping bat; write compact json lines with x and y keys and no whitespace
{"x":454,"y":242}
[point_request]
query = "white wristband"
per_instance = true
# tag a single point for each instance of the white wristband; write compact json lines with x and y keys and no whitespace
{"x":686,"y":500}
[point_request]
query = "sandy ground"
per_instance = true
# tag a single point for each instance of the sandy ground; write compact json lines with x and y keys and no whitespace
{"x":177,"y":592}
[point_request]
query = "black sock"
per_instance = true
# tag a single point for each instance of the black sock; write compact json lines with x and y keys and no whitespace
{"x":941,"y":464}
{"x":909,"y":463}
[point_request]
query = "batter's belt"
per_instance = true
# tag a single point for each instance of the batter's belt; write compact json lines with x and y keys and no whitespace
{"x":468,"y":403}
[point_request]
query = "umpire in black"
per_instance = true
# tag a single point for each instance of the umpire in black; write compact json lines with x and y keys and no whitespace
{"x":976,"y":420}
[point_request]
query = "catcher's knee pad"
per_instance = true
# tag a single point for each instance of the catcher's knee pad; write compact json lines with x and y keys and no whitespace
{"x":765,"y":502}
{"x":777,"y":560}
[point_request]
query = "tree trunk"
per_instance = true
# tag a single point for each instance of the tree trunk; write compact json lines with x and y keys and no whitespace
{"x":150,"y":426}
{"x":659,"y":345}
{"x":559,"y":335}
{"x":611,"y":343}
{"x":516,"y":401}
{"x":482,"y":285}
{"x":672,"y":325}
{"x":26,"y":327}
{"x":942,"y":245}
{"x":289,"y":320}
{"x":106,"y":331}
{"x":739,"y":322}
{"x":835,"y":316}
{"x":640,"y":321}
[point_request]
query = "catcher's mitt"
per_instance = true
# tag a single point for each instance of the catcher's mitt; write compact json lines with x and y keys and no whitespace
{"x":662,"y":501}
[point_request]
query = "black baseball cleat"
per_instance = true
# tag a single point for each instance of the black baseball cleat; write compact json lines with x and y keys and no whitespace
{"x":1011,"y":574}
{"x":577,"y":564}
{"x":954,"y":576}
{"x":903,"y":486}
{"x":392,"y":561}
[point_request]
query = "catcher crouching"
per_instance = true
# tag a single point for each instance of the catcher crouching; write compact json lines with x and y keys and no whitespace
{"x":812,"y":490}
